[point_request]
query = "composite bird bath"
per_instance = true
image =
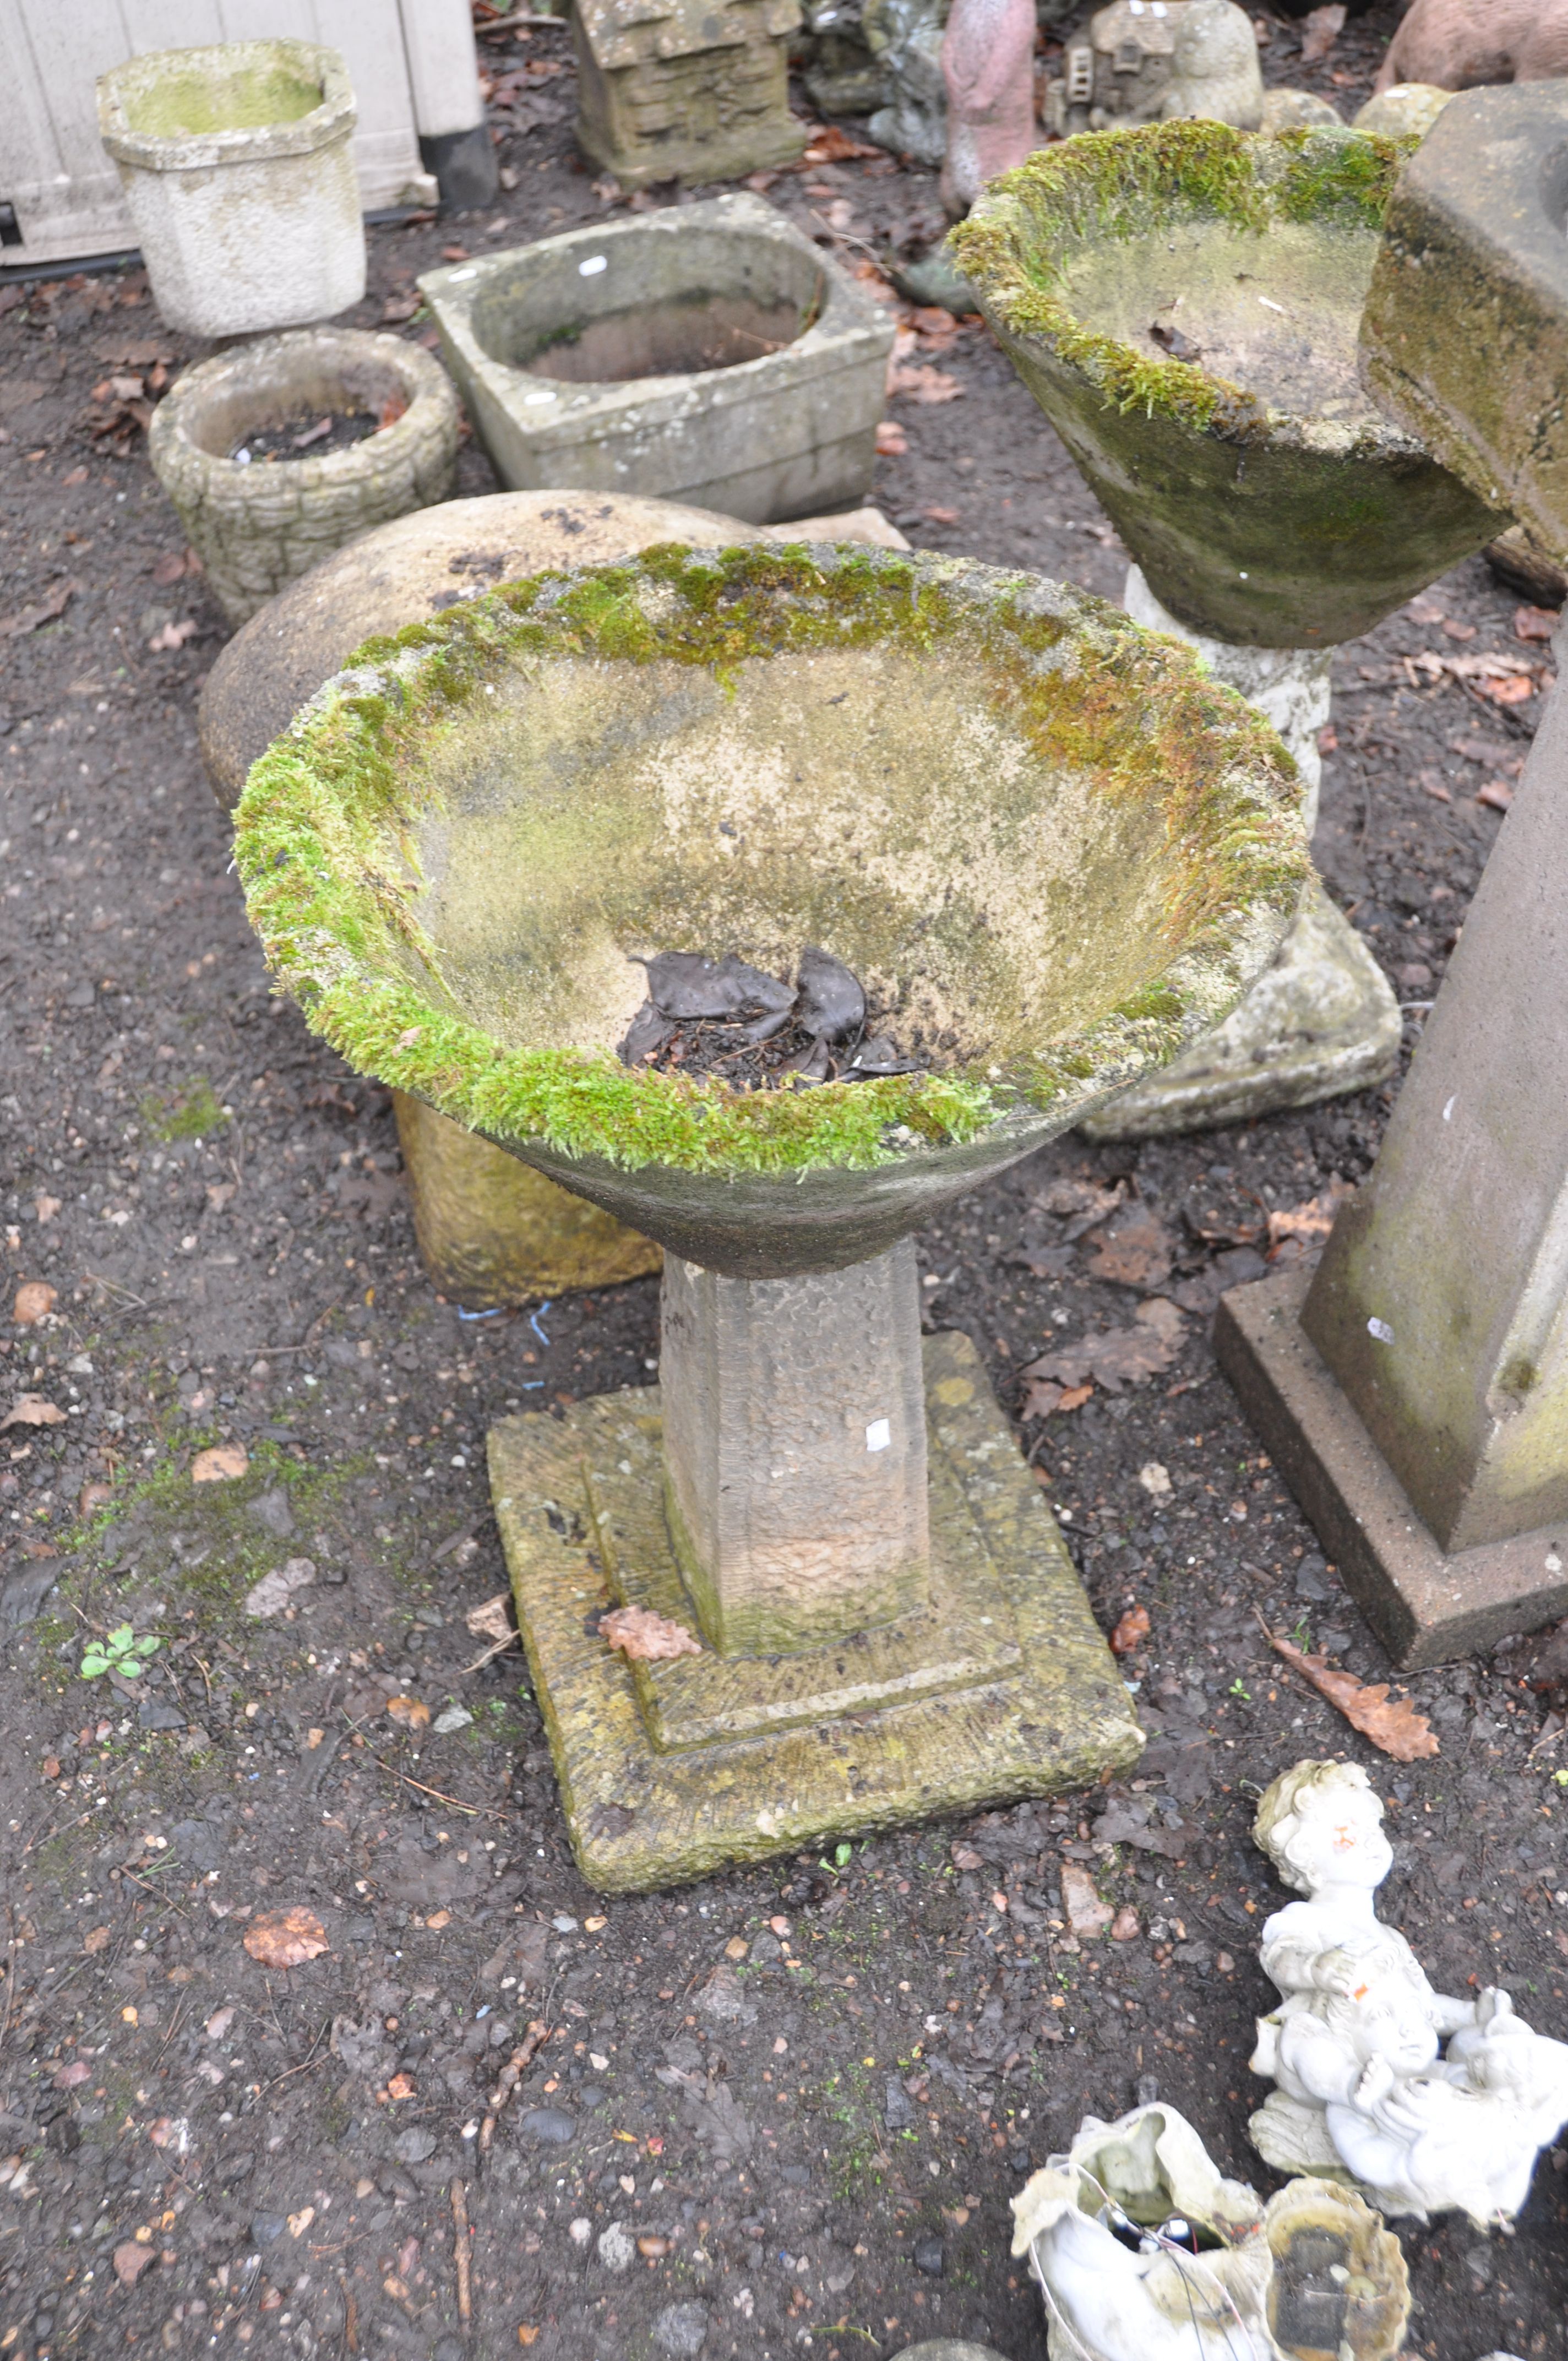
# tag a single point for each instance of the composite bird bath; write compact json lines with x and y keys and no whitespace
{"x":1039,"y":836}
{"x":1183,"y":301}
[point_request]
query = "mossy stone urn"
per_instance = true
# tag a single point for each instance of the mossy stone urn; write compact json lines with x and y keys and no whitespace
{"x":1183,"y":301}
{"x":1040,"y":837}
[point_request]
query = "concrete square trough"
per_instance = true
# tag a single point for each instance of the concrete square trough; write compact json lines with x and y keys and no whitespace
{"x":706,"y":353}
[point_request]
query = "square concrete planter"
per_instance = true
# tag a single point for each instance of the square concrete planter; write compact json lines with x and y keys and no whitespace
{"x":238,"y":165}
{"x":708,"y":352}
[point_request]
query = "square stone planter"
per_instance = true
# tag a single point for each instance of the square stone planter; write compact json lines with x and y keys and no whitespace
{"x":708,"y":352}
{"x":238,"y":165}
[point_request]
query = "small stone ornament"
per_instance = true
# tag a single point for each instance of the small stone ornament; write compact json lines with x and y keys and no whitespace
{"x":1356,"y":2046}
{"x":1145,"y":2253}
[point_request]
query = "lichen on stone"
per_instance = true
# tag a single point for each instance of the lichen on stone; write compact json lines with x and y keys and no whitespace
{"x":368,"y":836}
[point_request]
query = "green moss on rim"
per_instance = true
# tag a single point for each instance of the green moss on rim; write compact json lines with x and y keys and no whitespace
{"x":1110,"y":184}
{"x":325,"y":846}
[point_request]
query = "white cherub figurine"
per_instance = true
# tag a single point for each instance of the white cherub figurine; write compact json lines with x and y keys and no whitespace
{"x":1355,"y":2044}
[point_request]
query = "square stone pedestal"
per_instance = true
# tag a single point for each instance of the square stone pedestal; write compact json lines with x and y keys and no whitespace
{"x":1427,"y":1605}
{"x":998,"y":1685}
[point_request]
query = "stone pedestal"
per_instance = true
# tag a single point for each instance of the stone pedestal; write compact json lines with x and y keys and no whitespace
{"x":1429,"y":1372}
{"x":994,"y":1682}
{"x":1322,"y":1021}
{"x":686,"y":89}
{"x":795,"y":1450}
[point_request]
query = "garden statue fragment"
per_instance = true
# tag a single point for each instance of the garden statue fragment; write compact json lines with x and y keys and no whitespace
{"x":906,"y":35}
{"x":1144,"y":2252}
{"x":988,"y":65}
{"x":1354,"y":2047}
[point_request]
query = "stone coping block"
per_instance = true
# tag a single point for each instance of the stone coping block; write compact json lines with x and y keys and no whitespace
{"x":237,"y":164}
{"x":666,"y":1780}
{"x":708,"y":352}
{"x":1464,"y":334}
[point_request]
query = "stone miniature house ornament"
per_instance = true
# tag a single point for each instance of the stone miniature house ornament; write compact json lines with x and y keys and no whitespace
{"x":832,"y":1508}
{"x":1153,"y":60}
{"x":1355,"y":2045}
{"x":1143,"y":2252}
{"x":686,"y":89}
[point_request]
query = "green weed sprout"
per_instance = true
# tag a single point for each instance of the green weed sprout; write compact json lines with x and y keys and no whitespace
{"x":121,"y":1652}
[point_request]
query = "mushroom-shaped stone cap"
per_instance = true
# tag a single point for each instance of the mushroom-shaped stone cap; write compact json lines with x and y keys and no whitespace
{"x":1183,"y":301}
{"x":1050,"y":848}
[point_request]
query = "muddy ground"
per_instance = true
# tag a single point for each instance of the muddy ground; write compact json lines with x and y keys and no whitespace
{"x":804,"y":2094}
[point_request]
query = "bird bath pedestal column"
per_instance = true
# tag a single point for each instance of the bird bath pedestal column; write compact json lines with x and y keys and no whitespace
{"x":1415,"y":1394}
{"x":1037,"y":835}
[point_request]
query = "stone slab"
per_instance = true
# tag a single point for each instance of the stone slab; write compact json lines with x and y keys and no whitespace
{"x":1320,"y":1022}
{"x":1427,"y":1606}
{"x":640,"y":1816}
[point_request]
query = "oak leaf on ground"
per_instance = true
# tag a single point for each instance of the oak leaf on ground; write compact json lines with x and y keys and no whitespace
{"x":491,"y":1619}
{"x":1391,"y":1723}
{"x":285,"y":1939}
{"x":1114,"y":1357}
{"x":645,"y":1637}
{"x":1134,"y":1250}
{"x":412,"y":1712}
{"x":1131,"y":1631}
{"x":32,"y":1410}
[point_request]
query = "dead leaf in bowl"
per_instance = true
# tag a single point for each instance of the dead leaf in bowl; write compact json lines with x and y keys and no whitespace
{"x":221,"y":1464}
{"x":284,"y":1939}
{"x":645,"y":1637}
{"x":31,"y":1409}
{"x":35,"y":1297}
{"x":1391,"y":1723}
{"x":492,"y":1619}
{"x":411,"y":1713}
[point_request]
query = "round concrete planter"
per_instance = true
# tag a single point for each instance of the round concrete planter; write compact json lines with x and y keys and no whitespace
{"x":256,"y":527}
{"x":238,"y":169}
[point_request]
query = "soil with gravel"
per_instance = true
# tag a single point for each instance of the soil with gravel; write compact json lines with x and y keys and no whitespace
{"x":783,"y":2110}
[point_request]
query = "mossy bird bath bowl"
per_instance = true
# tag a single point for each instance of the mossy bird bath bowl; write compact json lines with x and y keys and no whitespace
{"x":1183,"y":301}
{"x":1037,"y":833}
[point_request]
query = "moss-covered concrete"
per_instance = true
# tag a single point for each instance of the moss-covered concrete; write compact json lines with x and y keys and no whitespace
{"x":669,"y":1772}
{"x":1041,"y":836}
{"x":1264,"y":496}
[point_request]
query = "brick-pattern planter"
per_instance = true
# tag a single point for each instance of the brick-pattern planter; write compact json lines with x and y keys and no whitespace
{"x":256,"y":527}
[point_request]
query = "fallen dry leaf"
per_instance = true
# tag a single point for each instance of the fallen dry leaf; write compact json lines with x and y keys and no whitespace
{"x":1114,"y":1357}
{"x":1079,"y":1205}
{"x":1391,"y":1723}
{"x":1131,"y":1631}
{"x":173,"y":635}
{"x":130,"y":2260}
{"x":92,"y":1497}
{"x":829,"y":145}
{"x":221,"y":1464}
{"x":411,"y":1713}
{"x":1313,"y":1218}
{"x":35,"y":1297}
{"x":1134,"y":1250}
{"x":1041,"y":1398}
{"x":1124,"y":1926}
{"x":28,"y":619}
{"x":300,"y":2222}
{"x":283,"y":1938}
{"x":1086,"y":1914}
{"x":1496,"y":795}
{"x":392,"y":409}
{"x":71,"y":2077}
{"x":95,"y":1940}
{"x":1535,"y":623}
{"x":31,"y":1409}
{"x":641,"y":1634}
{"x":526,"y":2335}
{"x":439,"y":1918}
{"x":400,"y":2087}
{"x":273,"y":1594}
{"x":920,"y":381}
{"x":1320,"y":31}
{"x":892,"y":442}
{"x":491,"y":1619}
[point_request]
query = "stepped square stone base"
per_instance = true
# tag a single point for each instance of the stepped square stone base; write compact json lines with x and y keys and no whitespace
{"x":997,"y":1683}
{"x":1427,"y":1605}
